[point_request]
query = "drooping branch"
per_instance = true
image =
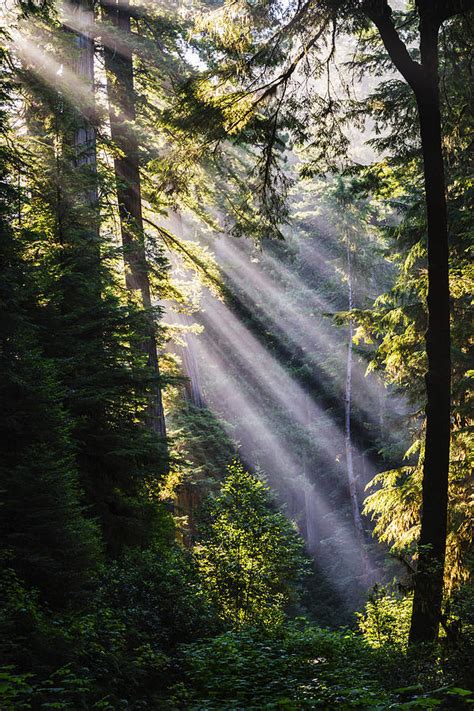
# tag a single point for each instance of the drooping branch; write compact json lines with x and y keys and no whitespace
{"x":170,"y":239}
{"x":269,"y":89}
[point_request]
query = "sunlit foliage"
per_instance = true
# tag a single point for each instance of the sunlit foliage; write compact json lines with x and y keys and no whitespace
{"x":249,"y":555}
{"x":385,"y":621}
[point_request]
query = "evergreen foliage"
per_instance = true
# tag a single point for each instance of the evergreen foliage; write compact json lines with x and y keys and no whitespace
{"x":191,"y":566}
{"x":45,"y":535}
{"x":249,"y":555}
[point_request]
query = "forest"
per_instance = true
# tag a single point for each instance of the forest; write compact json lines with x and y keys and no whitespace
{"x":235,"y":355}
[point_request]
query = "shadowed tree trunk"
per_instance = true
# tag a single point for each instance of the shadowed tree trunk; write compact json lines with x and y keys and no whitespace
{"x":77,"y":208}
{"x":432,"y":543}
{"x":193,"y":391}
{"x":424,"y":80}
{"x":120,"y":89}
{"x":190,"y":366}
{"x":313,"y":535}
{"x":83,"y":66}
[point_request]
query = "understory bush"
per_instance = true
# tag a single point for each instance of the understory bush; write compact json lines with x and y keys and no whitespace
{"x":116,"y":652}
{"x":292,"y":667}
{"x":299,"y":666}
{"x":386,"y":619}
{"x":124,"y":652}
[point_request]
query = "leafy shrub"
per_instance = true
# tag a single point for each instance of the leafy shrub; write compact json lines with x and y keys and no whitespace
{"x":250,"y":556}
{"x":115,"y":654}
{"x":290,"y":667}
{"x":386,"y":619}
{"x":297,"y":666}
{"x":147,"y":602}
{"x":13,"y":687}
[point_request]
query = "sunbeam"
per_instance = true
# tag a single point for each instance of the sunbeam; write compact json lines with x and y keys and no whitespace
{"x":54,"y":71}
{"x":313,"y":332}
{"x":284,"y":391}
{"x":261,"y":447}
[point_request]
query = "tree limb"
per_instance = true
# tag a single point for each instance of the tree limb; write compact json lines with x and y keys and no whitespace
{"x":380,"y":13}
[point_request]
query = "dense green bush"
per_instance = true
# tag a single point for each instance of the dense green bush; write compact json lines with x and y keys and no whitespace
{"x":386,"y":619}
{"x":290,"y":667}
{"x":299,"y":666}
{"x":249,"y":555}
{"x":114,"y":653}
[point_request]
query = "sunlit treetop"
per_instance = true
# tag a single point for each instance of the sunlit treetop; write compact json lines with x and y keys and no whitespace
{"x":250,"y":554}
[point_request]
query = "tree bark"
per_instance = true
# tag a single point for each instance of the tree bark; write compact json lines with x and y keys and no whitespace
{"x":77,"y":192}
{"x":120,"y":89}
{"x":192,"y":384}
{"x":313,"y":535}
{"x":424,"y":80}
{"x":85,"y":134}
{"x":432,"y":544}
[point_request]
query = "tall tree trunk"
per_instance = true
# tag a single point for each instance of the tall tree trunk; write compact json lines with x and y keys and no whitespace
{"x":193,"y":392}
{"x":120,"y":89}
{"x":312,"y":526}
{"x":79,"y":139}
{"x":382,"y":406}
{"x":432,"y":544}
{"x":424,"y":80}
{"x":190,"y":366}
{"x":351,"y":480}
{"x":85,"y":134}
{"x":313,"y":535}
{"x":77,"y":191}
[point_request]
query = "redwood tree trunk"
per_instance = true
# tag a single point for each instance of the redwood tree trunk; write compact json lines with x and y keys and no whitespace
{"x":83,"y":66}
{"x":192,"y":385}
{"x":77,"y":192}
{"x":119,"y":69}
{"x":193,"y":391}
{"x":432,"y":544}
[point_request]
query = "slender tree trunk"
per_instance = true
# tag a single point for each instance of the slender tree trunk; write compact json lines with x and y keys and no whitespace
{"x":313,"y":537}
{"x":120,"y":89}
{"x":382,"y":404}
{"x":424,"y":80}
{"x":310,"y":524}
{"x":190,"y":366}
{"x":193,"y":385}
{"x":351,"y":480}
{"x":190,"y":494}
{"x":432,"y":544}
